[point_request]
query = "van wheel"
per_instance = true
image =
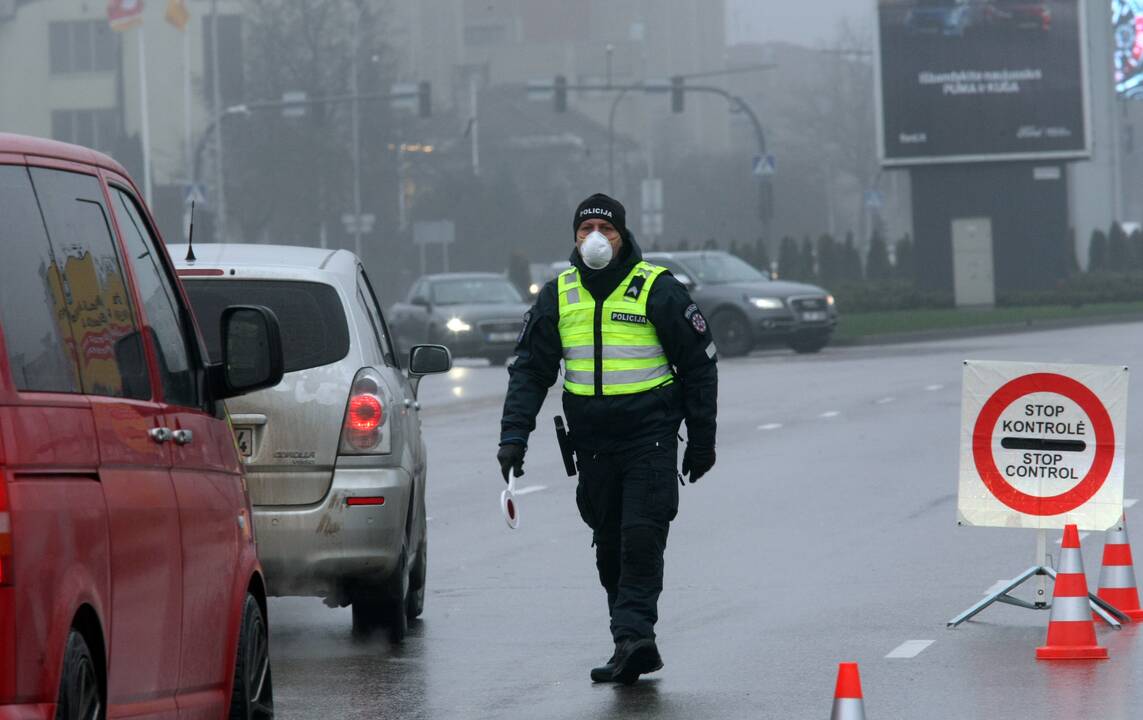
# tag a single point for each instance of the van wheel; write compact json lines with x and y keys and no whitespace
{"x":396,"y":601}
{"x":253,"y":694}
{"x":415,"y":603}
{"x":383,"y":607}
{"x":80,"y":695}
{"x":368,"y":614}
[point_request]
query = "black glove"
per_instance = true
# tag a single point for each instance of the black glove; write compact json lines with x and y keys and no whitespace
{"x":697,"y":461}
{"x":511,"y":456}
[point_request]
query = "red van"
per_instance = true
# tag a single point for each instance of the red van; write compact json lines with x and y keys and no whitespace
{"x":129,"y":582}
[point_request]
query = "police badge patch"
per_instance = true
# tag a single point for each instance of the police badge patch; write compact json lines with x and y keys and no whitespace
{"x":698,"y":322}
{"x":524,"y":327}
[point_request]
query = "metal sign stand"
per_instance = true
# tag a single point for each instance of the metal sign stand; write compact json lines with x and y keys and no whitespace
{"x":1041,"y":571}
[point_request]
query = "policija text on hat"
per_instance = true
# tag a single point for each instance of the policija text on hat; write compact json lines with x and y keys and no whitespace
{"x":638,"y":359}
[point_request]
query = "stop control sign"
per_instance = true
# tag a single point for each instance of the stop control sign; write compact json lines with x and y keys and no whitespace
{"x":1042,"y":445}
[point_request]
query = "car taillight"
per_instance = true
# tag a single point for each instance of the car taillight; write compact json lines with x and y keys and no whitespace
{"x":365,"y":413}
{"x":363,"y":430}
{"x":5,"y":536}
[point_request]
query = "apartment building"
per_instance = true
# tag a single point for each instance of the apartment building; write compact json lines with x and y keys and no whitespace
{"x":66,"y":74}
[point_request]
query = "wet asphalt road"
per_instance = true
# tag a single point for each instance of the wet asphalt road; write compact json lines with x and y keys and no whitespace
{"x":825,"y":533}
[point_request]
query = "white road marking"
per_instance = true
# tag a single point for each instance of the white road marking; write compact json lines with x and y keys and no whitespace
{"x":1129,"y":502}
{"x":909,"y":649}
{"x":830,"y":414}
{"x":934,"y":388}
{"x":531,"y":489}
{"x":885,"y":400}
{"x":770,"y":426}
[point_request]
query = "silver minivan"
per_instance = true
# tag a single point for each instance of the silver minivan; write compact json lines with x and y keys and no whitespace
{"x":335,"y":461}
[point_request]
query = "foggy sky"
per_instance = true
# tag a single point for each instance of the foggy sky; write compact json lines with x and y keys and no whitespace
{"x":803,"y":22}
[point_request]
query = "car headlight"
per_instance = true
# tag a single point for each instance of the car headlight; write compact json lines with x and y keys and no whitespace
{"x":457,"y":325}
{"x":534,"y":288}
{"x":830,"y":301}
{"x":767,"y":303}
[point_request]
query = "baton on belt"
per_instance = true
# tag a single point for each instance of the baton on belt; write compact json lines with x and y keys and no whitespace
{"x":565,"y":447}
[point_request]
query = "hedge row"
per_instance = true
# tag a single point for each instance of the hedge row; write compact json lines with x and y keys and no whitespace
{"x":1082,"y":289}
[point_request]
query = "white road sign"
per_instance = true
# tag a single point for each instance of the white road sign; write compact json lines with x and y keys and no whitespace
{"x":1042,"y":445}
{"x":764,"y":165}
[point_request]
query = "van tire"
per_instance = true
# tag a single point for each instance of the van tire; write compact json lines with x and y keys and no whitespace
{"x":396,"y":616}
{"x":415,"y":603}
{"x":379,"y":607}
{"x":253,"y":695}
{"x":81,"y":697}
{"x":367,"y":614}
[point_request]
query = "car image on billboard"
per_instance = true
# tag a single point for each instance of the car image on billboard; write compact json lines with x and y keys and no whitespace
{"x":976,"y":80}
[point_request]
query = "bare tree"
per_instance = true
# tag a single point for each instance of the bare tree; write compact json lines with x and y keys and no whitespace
{"x":290,"y":173}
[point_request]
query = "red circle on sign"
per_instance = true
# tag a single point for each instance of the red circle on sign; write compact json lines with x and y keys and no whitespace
{"x":986,"y":463}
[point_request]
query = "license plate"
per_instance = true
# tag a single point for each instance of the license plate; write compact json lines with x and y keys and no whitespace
{"x":815,"y":316}
{"x":244,"y":438}
{"x":501,"y":337}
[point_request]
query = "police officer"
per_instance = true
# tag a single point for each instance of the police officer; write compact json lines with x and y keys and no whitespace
{"x":638,"y":359}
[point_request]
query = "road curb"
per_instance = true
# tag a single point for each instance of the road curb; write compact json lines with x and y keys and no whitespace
{"x":984,"y":330}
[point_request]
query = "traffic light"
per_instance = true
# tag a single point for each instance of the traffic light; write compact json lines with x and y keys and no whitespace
{"x":561,"y":93}
{"x":677,"y":104}
{"x":424,"y":99}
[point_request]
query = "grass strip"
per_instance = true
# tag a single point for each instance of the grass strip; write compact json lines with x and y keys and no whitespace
{"x":858,"y":325}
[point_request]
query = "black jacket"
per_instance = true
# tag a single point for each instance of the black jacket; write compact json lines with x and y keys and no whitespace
{"x":615,"y":422}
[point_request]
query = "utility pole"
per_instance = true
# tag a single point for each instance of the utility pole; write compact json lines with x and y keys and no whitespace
{"x":611,"y":140}
{"x":474,"y":128}
{"x":219,"y":178}
{"x":356,"y":122}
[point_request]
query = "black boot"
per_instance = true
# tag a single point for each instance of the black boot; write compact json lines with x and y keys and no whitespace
{"x":634,"y":658}
{"x":606,"y":672}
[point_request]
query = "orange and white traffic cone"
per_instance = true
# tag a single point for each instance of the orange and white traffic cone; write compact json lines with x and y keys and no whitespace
{"x":1071,"y":632}
{"x":1117,"y":576}
{"x":847,"y":701}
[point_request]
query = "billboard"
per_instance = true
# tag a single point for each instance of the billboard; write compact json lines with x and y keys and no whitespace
{"x":981,"y":80}
{"x":1127,"y":16}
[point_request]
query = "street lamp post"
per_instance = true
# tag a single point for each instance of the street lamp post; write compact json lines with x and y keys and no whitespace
{"x":610,"y":52}
{"x":611,"y":141}
{"x":219,"y":177}
{"x":356,"y":130}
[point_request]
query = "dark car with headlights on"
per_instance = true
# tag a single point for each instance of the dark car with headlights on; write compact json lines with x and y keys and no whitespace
{"x":746,"y":308}
{"x":473,"y":314}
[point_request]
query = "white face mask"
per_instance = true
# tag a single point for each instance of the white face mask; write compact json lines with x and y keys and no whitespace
{"x":595,"y":251}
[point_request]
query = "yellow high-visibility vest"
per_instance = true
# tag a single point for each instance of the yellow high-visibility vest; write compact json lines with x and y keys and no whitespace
{"x":632,"y":356}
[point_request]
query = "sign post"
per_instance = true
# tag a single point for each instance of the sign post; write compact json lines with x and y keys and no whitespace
{"x":1042,"y":446}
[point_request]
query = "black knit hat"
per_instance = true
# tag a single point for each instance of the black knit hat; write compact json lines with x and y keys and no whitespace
{"x":603,"y":207}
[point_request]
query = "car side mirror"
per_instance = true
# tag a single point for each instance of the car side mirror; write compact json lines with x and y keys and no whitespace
{"x":421,"y":301}
{"x":251,"y":352}
{"x":429,"y":360}
{"x":685,"y":280}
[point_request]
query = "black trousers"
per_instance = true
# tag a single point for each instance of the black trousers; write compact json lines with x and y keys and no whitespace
{"x":628,"y":499}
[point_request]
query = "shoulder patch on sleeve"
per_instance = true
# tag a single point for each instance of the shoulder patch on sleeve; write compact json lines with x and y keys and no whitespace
{"x":524,"y":327}
{"x":691,"y":310}
{"x":698,"y":322}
